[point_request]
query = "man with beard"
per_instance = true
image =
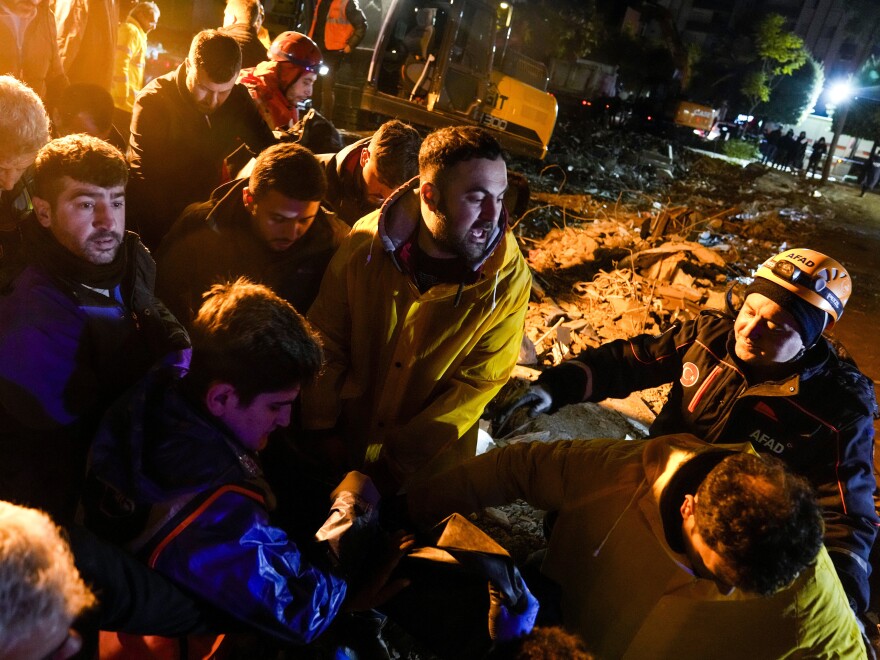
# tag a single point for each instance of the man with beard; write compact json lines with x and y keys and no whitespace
{"x":79,"y":325}
{"x":184,"y":125}
{"x":668,"y":547}
{"x":421,"y":314}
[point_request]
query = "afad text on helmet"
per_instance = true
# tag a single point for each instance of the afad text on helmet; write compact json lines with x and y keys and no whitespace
{"x":794,"y":256}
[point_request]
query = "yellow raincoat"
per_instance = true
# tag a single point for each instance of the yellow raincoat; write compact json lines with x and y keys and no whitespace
{"x":409,"y":373}
{"x":624,"y":590}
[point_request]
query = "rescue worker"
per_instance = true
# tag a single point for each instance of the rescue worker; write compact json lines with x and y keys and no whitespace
{"x":338,"y":26}
{"x":767,"y":376}
{"x":130,"y":60}
{"x":282,"y":86}
{"x":80,"y":325}
{"x":269,"y":227}
{"x":176,"y":476}
{"x":183,"y":127}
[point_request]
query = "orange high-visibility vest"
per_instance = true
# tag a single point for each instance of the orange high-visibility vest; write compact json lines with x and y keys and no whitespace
{"x":337,"y":30}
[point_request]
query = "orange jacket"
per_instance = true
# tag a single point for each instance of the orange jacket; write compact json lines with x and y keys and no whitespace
{"x":338,"y":29}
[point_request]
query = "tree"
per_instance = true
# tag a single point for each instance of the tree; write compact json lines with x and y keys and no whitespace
{"x":779,"y":53}
{"x":863,"y":118}
{"x":796,"y":95}
{"x":544,"y":29}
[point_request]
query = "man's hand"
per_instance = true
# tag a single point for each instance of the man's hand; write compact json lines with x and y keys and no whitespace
{"x":378,"y":586}
{"x":535,"y":401}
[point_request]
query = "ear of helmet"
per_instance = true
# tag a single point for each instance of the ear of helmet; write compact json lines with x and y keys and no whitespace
{"x":814,"y":277}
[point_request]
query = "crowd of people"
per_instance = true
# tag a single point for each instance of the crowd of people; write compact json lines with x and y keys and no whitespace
{"x":239,"y":406}
{"x":787,"y":152}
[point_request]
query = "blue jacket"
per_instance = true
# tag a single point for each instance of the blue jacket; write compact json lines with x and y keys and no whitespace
{"x":172,"y":483}
{"x":66,"y":352}
{"x":818,"y":420}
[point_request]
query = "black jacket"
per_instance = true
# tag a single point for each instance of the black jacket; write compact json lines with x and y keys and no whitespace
{"x":213,"y":242}
{"x":66,"y":351}
{"x":818,"y":420}
{"x":176,"y":152}
{"x":345,"y":183}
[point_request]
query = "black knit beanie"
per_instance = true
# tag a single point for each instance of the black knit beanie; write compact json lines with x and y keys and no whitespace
{"x":811,"y":319}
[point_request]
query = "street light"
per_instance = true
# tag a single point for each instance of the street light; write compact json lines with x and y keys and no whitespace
{"x":839,"y":95}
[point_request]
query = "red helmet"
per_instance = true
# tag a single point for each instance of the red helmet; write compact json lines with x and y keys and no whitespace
{"x":297,"y":49}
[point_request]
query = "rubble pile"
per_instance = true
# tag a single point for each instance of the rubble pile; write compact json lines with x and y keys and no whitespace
{"x":610,"y":265}
{"x":606,"y":270}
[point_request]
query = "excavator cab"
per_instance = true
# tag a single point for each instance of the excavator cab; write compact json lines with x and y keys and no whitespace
{"x":434,"y":64}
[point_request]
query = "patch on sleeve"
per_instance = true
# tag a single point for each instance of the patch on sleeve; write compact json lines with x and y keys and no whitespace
{"x":690,"y":374}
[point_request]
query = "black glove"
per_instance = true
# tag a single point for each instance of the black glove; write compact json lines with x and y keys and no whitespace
{"x":535,"y":401}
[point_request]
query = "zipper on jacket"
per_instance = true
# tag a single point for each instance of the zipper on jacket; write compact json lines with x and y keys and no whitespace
{"x":695,"y":401}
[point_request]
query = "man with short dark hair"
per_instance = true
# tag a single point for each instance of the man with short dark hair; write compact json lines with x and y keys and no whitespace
{"x":421,"y":312}
{"x":269,"y":227}
{"x":669,"y":547}
{"x":177,"y":462}
{"x":364,"y":174}
{"x":764,"y":373}
{"x":79,"y":326}
{"x":241,"y":20}
{"x":184,"y":125}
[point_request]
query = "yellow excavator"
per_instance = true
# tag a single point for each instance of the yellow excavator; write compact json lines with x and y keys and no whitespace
{"x":440,"y":63}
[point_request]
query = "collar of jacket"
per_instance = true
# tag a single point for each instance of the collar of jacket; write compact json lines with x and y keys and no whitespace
{"x":788,"y":381}
{"x":133,"y":21}
{"x":662,"y":457}
{"x":397,"y":227}
{"x":228,"y":213}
